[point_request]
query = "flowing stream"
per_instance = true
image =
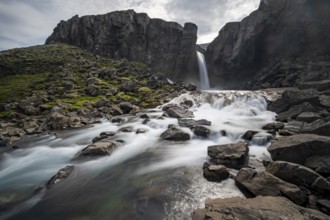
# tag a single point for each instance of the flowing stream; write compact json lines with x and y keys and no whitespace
{"x":145,"y":178}
{"x":203,"y":74}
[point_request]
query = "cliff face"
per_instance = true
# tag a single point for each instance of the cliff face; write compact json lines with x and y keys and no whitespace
{"x":277,"y":30}
{"x":164,"y":46}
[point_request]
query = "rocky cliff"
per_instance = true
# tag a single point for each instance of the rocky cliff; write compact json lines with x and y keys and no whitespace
{"x":278,"y":30}
{"x":164,"y":46}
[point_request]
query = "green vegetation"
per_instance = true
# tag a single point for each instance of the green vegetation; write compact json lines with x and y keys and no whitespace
{"x":68,"y":76}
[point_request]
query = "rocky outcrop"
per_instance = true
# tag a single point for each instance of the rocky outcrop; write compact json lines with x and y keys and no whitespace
{"x":265,"y":184}
{"x":277,"y":30}
{"x":275,"y":208}
{"x":164,"y":46}
{"x":230,"y":155}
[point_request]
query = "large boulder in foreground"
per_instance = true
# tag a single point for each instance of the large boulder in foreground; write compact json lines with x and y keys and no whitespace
{"x":298,"y":148}
{"x":230,"y":155}
{"x":101,"y":148}
{"x":272,"y":208}
{"x":265,"y":184}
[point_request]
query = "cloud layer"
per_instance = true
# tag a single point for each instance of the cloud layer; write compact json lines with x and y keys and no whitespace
{"x":30,"y":22}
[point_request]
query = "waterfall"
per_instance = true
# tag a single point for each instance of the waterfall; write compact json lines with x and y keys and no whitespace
{"x":203,"y":74}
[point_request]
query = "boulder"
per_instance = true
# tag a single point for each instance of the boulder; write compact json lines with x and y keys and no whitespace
{"x":230,"y":155}
{"x":175,"y":134}
{"x":248,"y":135}
{"x":141,"y":131}
{"x":128,"y":108}
{"x":299,"y":175}
{"x":294,"y":111}
{"x":320,"y":127}
{"x":126,"y":129}
{"x":101,"y":148}
{"x":215,"y":173}
{"x":191,"y":123}
{"x":273,"y":126}
{"x":321,"y":164}
{"x":191,"y":87}
{"x":308,"y":117}
{"x":61,"y":175}
{"x":94,"y":91}
{"x":324,"y":205}
{"x":178,"y":112}
{"x":298,"y":148}
{"x":201,"y":131}
{"x":325,"y":101}
{"x":265,"y":184}
{"x":321,"y":85}
{"x":261,"y":207}
{"x":294,"y":97}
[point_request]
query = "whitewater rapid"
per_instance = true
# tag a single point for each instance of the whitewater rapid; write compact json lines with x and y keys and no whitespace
{"x":146,"y":177}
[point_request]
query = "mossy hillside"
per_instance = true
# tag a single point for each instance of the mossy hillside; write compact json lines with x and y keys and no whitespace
{"x":62,"y":74}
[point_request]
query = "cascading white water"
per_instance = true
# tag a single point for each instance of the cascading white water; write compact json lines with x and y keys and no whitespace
{"x":203,"y":74}
{"x":160,"y":179}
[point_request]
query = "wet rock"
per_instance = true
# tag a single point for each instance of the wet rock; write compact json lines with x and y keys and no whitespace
{"x":126,"y":129}
{"x":187,"y":103}
{"x":294,"y":111}
{"x":104,"y":135}
{"x":116,"y":111}
{"x":117,"y":120}
{"x":141,"y":131}
{"x":201,"y":131}
{"x":298,"y":175}
{"x":324,"y":205}
{"x":294,"y":97}
{"x":321,"y":164}
{"x":178,"y":112}
{"x":58,"y":121}
{"x":3,"y":143}
{"x":273,"y":126}
{"x":98,"y":149}
{"x":175,"y":134}
{"x":146,"y":121}
{"x":261,"y":207}
{"x":144,"y":116}
{"x":191,"y":123}
{"x":298,"y":148}
{"x":61,"y":175}
{"x":230,"y":155}
{"x":320,"y":127}
{"x":308,"y":117}
{"x":249,"y":135}
{"x":265,"y":184}
{"x":191,"y":87}
{"x":215,"y":173}
{"x":128,"y":108}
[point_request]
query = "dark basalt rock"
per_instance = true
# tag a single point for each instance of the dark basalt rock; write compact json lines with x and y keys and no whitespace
{"x":164,"y":46}
{"x":230,"y":155}
{"x":60,"y":175}
{"x":201,"y":131}
{"x":215,"y":173}
{"x":248,"y":135}
{"x":178,"y":112}
{"x":299,"y":175}
{"x":265,"y":184}
{"x":278,"y":29}
{"x":101,"y":148}
{"x":261,"y":207}
{"x":175,"y":134}
{"x":298,"y":148}
{"x":191,"y":123}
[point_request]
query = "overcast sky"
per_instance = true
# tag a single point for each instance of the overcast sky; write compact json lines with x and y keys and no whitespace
{"x":30,"y":22}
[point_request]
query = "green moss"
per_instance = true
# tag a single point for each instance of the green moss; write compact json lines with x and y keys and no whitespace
{"x":4,"y":115}
{"x":144,"y":89}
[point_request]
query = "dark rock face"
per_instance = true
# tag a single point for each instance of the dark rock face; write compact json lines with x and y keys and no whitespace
{"x":298,"y":175}
{"x":275,"y":208}
{"x":298,"y":148}
{"x":60,"y":175}
{"x":277,"y":30}
{"x":215,"y":173}
{"x":101,"y":148}
{"x":201,"y":131}
{"x":175,"y":134}
{"x":230,"y":155}
{"x":164,"y":46}
{"x":265,"y":184}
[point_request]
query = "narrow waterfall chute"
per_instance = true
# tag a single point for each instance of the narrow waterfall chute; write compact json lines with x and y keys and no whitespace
{"x":203,"y":74}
